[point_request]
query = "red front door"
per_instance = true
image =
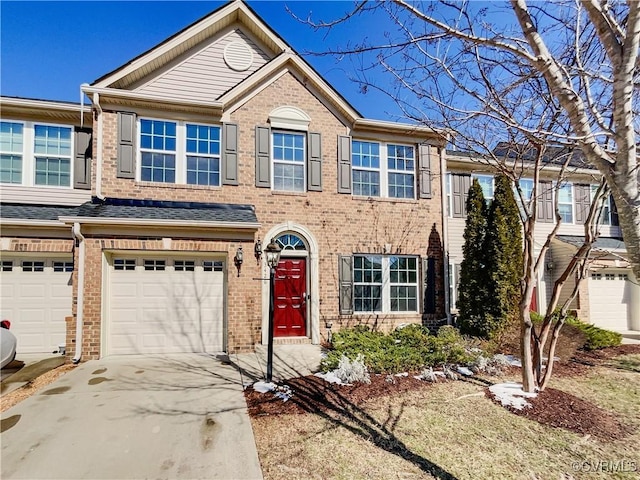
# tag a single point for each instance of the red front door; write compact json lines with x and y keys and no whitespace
{"x":290,"y":309}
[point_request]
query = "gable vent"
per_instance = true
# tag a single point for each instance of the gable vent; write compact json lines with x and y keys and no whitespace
{"x":238,"y":56}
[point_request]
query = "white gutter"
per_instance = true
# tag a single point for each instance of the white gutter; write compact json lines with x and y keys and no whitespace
{"x":160,"y":223}
{"x":96,"y":104}
{"x":80,"y":305}
{"x":445,"y":232}
{"x":19,"y":222}
{"x":129,"y":95}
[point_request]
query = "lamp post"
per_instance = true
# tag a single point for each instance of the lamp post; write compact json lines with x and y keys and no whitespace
{"x":272,"y":252}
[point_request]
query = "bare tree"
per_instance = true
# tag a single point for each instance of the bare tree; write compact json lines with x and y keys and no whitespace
{"x":547,"y":75}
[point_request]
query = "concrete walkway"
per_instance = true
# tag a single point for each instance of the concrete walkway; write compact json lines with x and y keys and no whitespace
{"x":130,"y":417}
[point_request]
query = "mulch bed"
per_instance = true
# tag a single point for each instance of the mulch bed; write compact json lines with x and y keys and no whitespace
{"x":552,"y":407}
{"x":559,"y":409}
{"x":312,"y":394}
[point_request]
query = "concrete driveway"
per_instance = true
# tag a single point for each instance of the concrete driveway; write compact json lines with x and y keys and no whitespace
{"x":133,"y":417}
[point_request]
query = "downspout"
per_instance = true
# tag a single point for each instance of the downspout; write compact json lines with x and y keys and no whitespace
{"x":80,"y":306}
{"x":96,"y":104}
{"x":445,"y":232}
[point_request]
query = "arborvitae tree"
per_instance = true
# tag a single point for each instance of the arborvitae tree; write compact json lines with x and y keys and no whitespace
{"x":503,"y":253}
{"x":472,"y":294}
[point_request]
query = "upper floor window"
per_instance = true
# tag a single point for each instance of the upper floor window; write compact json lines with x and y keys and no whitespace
{"x":36,"y":154}
{"x":565,"y":202}
{"x":289,"y":155}
{"x":11,"y":152}
{"x":487,"y":185}
{"x":383,"y":170}
{"x":178,"y":152}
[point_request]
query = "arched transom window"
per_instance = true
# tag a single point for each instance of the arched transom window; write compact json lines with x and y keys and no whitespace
{"x":290,"y":241}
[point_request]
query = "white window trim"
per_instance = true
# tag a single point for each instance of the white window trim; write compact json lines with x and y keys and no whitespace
{"x":556,"y":192}
{"x":386,"y":286}
{"x":29,"y":155}
{"x":384,"y":169}
{"x":289,"y":162}
{"x":487,"y":198}
{"x":180,"y":152}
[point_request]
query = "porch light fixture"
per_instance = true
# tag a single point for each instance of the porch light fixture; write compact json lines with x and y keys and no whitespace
{"x":272,"y":251}
{"x":238,"y":259}
{"x":257,"y":250}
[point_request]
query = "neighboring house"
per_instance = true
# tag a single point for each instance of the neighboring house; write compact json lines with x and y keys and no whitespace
{"x":123,"y":223}
{"x":610,"y":296}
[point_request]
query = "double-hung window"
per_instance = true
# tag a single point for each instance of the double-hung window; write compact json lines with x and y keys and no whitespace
{"x":35,"y":154}
{"x":203,"y":155}
{"x":289,"y":158}
{"x":383,"y":170}
{"x":565,"y":202}
{"x":487,"y":185}
{"x":179,"y":152}
{"x":383,"y":284}
{"x":11,"y":152}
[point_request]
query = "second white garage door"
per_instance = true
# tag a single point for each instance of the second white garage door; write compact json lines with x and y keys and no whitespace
{"x":609,"y":299}
{"x":165,"y":305}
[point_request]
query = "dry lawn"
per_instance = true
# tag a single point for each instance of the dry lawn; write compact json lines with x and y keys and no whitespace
{"x":450,"y":431}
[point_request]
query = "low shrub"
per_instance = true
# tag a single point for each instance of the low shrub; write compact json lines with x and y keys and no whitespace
{"x":596,"y":337}
{"x":404,"y":349}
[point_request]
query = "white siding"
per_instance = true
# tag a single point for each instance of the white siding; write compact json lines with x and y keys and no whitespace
{"x":204,"y":75}
{"x":43,"y":195}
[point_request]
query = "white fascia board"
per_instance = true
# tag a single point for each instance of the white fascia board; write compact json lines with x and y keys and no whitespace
{"x":404,"y":128}
{"x":129,"y":95}
{"x":490,"y":163}
{"x":160,"y":223}
{"x":25,"y":222}
{"x":29,"y":103}
{"x":237,"y":10}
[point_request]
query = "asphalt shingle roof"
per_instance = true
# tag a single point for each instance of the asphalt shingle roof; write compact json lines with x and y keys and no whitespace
{"x":602,"y":243}
{"x":35,"y":212}
{"x":136,"y":209}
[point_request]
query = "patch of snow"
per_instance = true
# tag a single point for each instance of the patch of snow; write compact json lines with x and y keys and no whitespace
{"x":511,"y":394}
{"x":403,"y":374}
{"x":264,"y":387}
{"x":465,"y":371}
{"x":330,"y":377}
{"x":510,"y":359}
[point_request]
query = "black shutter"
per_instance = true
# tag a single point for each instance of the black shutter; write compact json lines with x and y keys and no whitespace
{"x":229,"y":163}
{"x":345,"y":272}
{"x":582,"y":195}
{"x":615,"y":221}
{"x":263,"y":157}
{"x":460,"y":185}
{"x":126,"y":145}
{"x":545,"y":202}
{"x":314,"y":162}
{"x":424,"y":178}
{"x":83,"y":156}
{"x":344,"y":164}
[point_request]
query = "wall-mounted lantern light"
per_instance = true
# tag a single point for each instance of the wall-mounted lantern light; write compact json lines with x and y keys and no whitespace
{"x":238,"y":259}
{"x":257,"y":250}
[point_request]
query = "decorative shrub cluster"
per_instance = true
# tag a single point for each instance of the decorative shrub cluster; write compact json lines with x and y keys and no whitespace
{"x":404,"y":349}
{"x":596,"y":337}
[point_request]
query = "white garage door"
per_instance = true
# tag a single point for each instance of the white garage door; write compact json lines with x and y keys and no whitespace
{"x":36,"y":298}
{"x":165,"y":305}
{"x":609,"y":299}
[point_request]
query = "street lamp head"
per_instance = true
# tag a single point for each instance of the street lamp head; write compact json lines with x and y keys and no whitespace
{"x":272,"y":252}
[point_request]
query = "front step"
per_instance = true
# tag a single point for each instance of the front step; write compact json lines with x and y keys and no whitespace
{"x":292,"y":341}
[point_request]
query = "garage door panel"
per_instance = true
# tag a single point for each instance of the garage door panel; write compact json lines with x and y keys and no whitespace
{"x":36,"y":303}
{"x":609,"y":297}
{"x":168,"y":311}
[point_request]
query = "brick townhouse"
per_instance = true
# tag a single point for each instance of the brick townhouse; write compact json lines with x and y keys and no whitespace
{"x":137,"y":224}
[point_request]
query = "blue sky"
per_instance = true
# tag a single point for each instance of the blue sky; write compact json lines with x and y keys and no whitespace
{"x":47,"y":49}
